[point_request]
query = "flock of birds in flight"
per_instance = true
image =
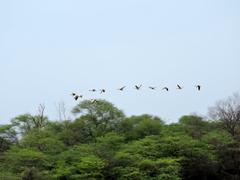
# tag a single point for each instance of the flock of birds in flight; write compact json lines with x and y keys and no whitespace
{"x":137,"y":87}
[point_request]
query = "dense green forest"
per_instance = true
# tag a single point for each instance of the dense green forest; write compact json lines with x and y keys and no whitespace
{"x":102,"y":143}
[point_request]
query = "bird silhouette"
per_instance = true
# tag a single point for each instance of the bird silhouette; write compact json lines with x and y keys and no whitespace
{"x":122,"y":88}
{"x":76,"y":97}
{"x":138,"y":87}
{"x":93,"y":90}
{"x":179,"y":87}
{"x":102,"y":91}
{"x":198,"y":87}
{"x":165,"y":88}
{"x":151,"y":87}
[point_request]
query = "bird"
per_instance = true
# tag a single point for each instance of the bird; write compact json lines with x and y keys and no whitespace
{"x":179,"y":87}
{"x":76,"y":97}
{"x":198,"y":87}
{"x":151,"y":87}
{"x":122,"y":88}
{"x":102,"y":91}
{"x":165,"y":88}
{"x":138,"y":87}
{"x":73,"y":94}
{"x":93,"y":90}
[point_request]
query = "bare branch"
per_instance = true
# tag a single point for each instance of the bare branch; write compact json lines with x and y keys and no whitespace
{"x":228,"y":112}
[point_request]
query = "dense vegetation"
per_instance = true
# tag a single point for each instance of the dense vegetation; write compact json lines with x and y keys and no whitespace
{"x":102,"y":143}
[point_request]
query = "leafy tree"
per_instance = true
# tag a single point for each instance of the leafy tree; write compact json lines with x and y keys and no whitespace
{"x":164,"y":168}
{"x":31,"y":174}
{"x":26,"y":122}
{"x":7,"y":137}
{"x":101,"y":143}
{"x":79,"y":131}
{"x":17,"y":159}
{"x":43,"y":141}
{"x":105,"y":148}
{"x":5,"y":175}
{"x":79,"y":163}
{"x":102,"y":116}
{"x":195,"y":126}
{"x":137,"y":127}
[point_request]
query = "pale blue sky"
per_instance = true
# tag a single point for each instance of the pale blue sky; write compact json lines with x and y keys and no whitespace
{"x":49,"y":48}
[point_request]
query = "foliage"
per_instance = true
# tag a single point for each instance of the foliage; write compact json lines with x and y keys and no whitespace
{"x":101,"y":143}
{"x":137,"y":127}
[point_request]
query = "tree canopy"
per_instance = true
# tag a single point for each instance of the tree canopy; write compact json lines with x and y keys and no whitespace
{"x":103,"y":143}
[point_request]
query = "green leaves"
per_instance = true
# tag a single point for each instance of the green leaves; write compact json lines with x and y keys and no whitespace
{"x":43,"y":141}
{"x":79,"y":163}
{"x":137,"y":127}
{"x":19,"y":158}
{"x":101,"y":143}
{"x":100,"y":117}
{"x":26,"y":122}
{"x":8,"y":136}
{"x":160,"y":167}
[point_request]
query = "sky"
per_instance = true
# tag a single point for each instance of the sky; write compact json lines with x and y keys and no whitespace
{"x":49,"y":48}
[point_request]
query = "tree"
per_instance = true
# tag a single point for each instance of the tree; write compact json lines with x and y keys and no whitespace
{"x":31,"y":174}
{"x":101,"y":143}
{"x":17,"y":159}
{"x":195,"y":126}
{"x":43,"y":141}
{"x":162,"y":169}
{"x":7,"y":137}
{"x":102,"y":116}
{"x":79,"y":162}
{"x":228,"y":112}
{"x":137,"y":127}
{"x":26,"y":122}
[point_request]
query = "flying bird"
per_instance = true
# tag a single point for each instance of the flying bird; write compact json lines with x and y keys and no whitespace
{"x":198,"y":87}
{"x":165,"y":88}
{"x":122,"y":88}
{"x":138,"y":87}
{"x":76,"y":97}
{"x":102,"y":91}
{"x":179,"y":87}
{"x":153,"y":88}
{"x":93,"y":90}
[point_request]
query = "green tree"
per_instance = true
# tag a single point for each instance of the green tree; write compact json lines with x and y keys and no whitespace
{"x":26,"y":122}
{"x":79,"y":162}
{"x":195,"y":126}
{"x":137,"y":127}
{"x":8,"y":136}
{"x":43,"y":141}
{"x":102,"y":116}
{"x":17,"y":160}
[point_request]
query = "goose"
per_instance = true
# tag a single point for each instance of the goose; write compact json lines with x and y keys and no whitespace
{"x":179,"y":87}
{"x":165,"y":88}
{"x":151,"y":87}
{"x":76,"y":97}
{"x":138,"y":87}
{"x":102,"y":91}
{"x":198,"y":87}
{"x":93,"y":90}
{"x":122,"y":88}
